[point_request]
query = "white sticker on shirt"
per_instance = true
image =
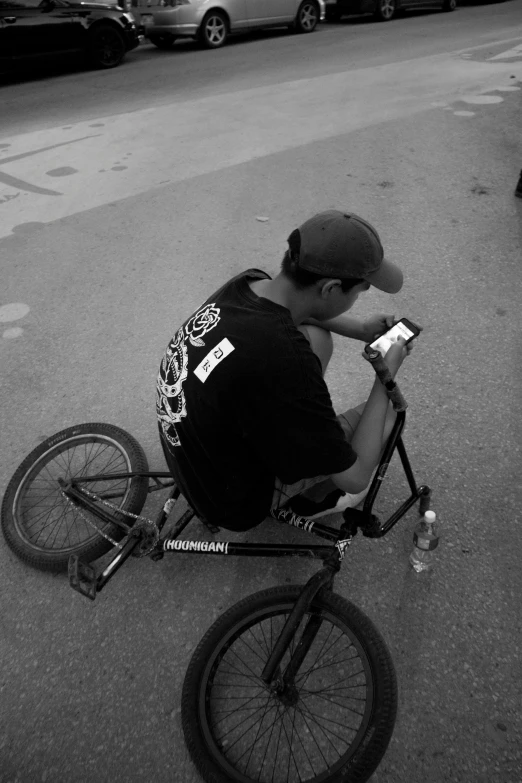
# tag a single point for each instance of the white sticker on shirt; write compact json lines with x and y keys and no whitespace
{"x":213,"y":358}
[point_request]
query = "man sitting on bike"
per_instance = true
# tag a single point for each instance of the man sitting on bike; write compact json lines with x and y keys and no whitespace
{"x":246,"y":420}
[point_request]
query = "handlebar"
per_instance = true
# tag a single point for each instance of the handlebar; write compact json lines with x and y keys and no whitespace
{"x":376,"y":359}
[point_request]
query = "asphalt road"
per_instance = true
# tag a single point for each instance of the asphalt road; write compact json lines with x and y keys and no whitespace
{"x":125,"y":198}
{"x":47,"y":97}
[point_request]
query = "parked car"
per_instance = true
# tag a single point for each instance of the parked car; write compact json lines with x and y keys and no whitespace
{"x":384,"y":10}
{"x":213,"y":22}
{"x":32,"y":29}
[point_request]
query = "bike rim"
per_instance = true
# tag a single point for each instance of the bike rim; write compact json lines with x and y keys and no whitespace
{"x":46,"y":520}
{"x":261,"y":739}
{"x":215,"y":30}
{"x":308,"y":17}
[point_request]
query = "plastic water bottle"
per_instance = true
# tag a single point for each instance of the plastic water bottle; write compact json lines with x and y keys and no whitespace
{"x":425,"y":541}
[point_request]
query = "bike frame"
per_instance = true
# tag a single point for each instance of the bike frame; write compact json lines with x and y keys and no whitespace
{"x":83,"y":578}
{"x":144,"y":538}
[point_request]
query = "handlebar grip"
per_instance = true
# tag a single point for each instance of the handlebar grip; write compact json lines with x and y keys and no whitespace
{"x":376,"y":359}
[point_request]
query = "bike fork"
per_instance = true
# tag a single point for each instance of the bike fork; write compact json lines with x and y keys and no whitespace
{"x":271,"y":674}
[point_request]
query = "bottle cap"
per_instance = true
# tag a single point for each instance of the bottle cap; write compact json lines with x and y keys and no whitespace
{"x":430,"y":516}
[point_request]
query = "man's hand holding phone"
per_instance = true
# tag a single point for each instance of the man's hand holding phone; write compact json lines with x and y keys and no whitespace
{"x":376,"y":325}
{"x":396,"y":354}
{"x":396,"y":343}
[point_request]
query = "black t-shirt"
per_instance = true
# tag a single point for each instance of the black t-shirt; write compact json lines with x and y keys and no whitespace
{"x":241,"y":400}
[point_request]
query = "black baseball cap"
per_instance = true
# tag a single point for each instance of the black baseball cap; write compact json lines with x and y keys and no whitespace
{"x":344,"y":245}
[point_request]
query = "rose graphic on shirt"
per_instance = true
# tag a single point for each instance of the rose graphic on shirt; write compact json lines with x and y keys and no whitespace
{"x":170,"y":399}
{"x":202,"y":322}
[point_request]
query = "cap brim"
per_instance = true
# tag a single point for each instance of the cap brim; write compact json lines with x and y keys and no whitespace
{"x":388,"y":277}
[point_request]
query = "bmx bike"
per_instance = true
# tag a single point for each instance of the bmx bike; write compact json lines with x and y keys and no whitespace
{"x":291,"y":684}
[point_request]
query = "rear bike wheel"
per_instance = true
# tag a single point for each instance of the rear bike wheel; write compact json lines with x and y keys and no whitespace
{"x":333,"y":725}
{"x":41,"y":526}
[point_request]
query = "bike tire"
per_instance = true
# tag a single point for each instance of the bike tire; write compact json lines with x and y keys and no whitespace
{"x":44,"y":529}
{"x":225,"y":721}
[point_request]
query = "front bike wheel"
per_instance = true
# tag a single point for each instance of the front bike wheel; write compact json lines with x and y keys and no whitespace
{"x":41,"y":526}
{"x":332,"y":726}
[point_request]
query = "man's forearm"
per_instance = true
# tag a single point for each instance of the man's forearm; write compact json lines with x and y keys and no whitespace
{"x":366,"y":442}
{"x":368,"y":437}
{"x":345,"y":325}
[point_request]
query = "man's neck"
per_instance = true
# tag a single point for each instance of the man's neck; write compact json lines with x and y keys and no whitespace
{"x":282,"y":292}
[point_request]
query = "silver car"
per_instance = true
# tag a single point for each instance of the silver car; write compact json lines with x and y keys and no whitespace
{"x":212,"y":21}
{"x":383,"y":10}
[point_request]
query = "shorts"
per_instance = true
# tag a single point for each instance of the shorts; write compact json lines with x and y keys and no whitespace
{"x":283,"y":492}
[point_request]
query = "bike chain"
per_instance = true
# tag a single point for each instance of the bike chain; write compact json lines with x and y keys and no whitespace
{"x":152,"y":532}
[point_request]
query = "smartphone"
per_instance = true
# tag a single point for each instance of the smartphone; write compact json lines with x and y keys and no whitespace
{"x":402,"y":328}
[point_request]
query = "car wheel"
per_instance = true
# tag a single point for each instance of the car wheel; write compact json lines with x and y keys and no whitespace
{"x":213,"y":32}
{"x":164,"y":41}
{"x":106,"y":47}
{"x":307,"y":17}
{"x":449,"y":5}
{"x":385,"y":10}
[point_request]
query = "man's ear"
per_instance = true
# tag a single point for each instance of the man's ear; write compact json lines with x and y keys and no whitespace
{"x":329,"y":286}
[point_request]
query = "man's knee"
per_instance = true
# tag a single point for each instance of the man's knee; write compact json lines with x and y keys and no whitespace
{"x":321,"y":342}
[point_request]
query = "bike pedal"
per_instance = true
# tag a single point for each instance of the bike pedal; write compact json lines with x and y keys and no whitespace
{"x":356,"y":519}
{"x":82,"y":577}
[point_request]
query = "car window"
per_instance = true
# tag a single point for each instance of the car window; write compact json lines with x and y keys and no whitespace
{"x":4,"y":4}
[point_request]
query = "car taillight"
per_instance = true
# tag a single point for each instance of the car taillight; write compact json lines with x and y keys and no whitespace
{"x":174,"y":3}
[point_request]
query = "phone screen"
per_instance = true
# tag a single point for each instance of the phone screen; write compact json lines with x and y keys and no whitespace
{"x":385,"y":341}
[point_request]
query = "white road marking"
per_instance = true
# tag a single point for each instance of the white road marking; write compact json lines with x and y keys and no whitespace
{"x":11,"y":334}
{"x":487,"y":45}
{"x":13,"y":312}
{"x":482,"y":99}
{"x":177,"y":142}
{"x":516,"y":51}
